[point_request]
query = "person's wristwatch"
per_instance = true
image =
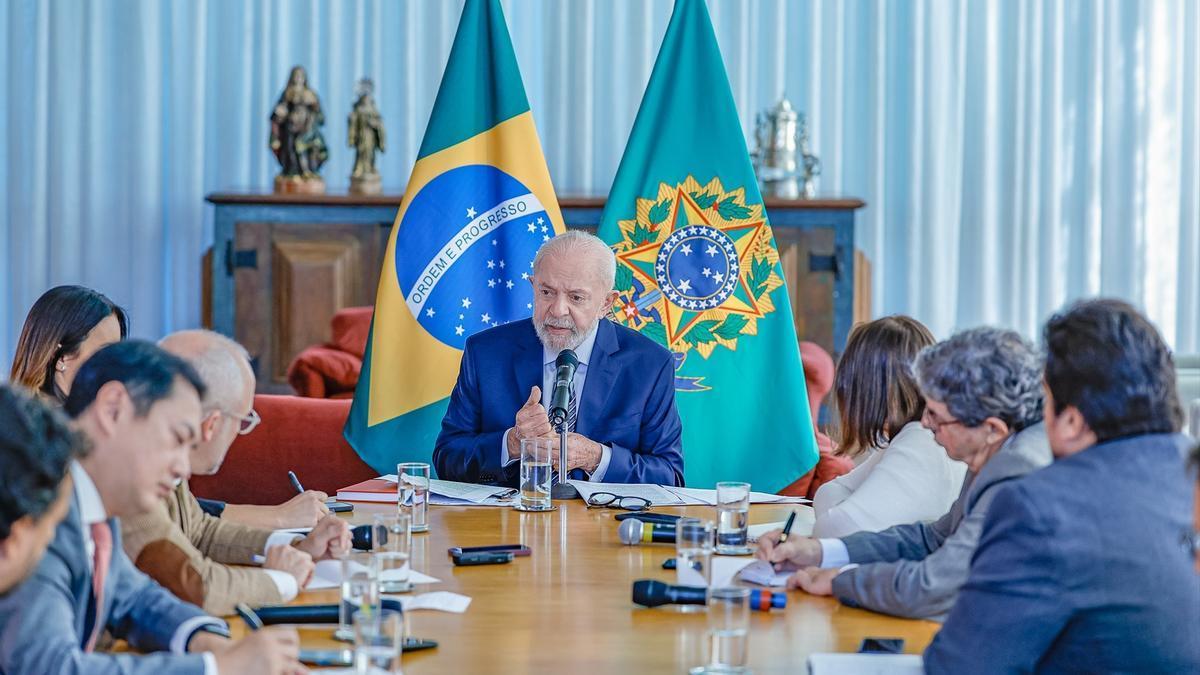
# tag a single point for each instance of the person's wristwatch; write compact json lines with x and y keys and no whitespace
{"x":219,"y":629}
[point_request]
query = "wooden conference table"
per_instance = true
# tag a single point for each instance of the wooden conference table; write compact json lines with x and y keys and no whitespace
{"x":567,"y":606}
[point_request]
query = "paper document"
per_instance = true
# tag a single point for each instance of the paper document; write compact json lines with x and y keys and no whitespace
{"x":865,"y":664}
{"x":657,"y":494}
{"x":699,"y":496}
{"x":725,"y":568}
{"x":444,"y":601}
{"x":763,"y":574}
{"x":328,"y":574}
{"x":802,"y":527}
{"x":453,"y":493}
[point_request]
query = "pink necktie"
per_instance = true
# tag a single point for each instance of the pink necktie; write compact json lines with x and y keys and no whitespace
{"x":102,"y":538}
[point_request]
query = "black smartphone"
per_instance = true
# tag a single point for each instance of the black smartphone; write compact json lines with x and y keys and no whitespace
{"x":338,"y":507}
{"x":482,"y":558}
{"x":875,"y":645}
{"x":669,"y":564}
{"x":515,"y":549}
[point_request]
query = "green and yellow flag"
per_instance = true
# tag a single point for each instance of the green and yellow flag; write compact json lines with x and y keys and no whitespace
{"x":698,"y":269}
{"x":479,"y":203}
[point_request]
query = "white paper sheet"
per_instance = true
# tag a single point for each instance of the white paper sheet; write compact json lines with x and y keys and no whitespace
{"x":763,"y":574}
{"x":701,"y":497}
{"x":443,"y":601}
{"x":865,"y":664}
{"x":454,"y":493}
{"x":657,"y":494}
{"x":328,"y":574}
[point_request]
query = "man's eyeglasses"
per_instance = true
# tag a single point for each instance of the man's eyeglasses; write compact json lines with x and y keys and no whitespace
{"x":935,"y":425}
{"x":609,"y":500}
{"x":245,"y":424}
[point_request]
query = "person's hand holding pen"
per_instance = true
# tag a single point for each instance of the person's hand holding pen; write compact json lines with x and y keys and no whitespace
{"x":330,"y":536}
{"x":785,"y":552}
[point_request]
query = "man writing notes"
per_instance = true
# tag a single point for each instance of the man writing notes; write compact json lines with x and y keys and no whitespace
{"x":624,"y":427}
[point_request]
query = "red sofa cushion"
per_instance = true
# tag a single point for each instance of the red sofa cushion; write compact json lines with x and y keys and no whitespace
{"x":351,"y":328}
{"x":324,"y":372}
{"x":296,"y":433}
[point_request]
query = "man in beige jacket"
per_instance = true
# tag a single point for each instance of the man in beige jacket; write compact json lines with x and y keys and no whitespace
{"x":206,"y":560}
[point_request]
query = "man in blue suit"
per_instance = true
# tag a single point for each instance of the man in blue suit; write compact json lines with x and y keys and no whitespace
{"x":139,"y":408}
{"x":1081,"y":566}
{"x":624,"y":424}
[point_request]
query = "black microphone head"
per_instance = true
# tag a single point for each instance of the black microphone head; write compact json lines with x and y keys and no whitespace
{"x":630,"y":531}
{"x":361,"y":536}
{"x":650,"y":593}
{"x":566,"y":358}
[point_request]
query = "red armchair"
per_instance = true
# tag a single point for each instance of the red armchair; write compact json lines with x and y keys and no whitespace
{"x":301,"y":434}
{"x":331,"y":370}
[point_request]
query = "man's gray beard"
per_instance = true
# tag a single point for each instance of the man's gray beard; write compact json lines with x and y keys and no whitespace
{"x":556,"y":344}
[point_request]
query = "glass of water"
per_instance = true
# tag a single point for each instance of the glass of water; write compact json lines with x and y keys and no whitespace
{"x":733,"y":512}
{"x":535,"y":473}
{"x":391,"y":542}
{"x":378,"y":641}
{"x":693,"y":555}
{"x":728,"y":628}
{"x":412,"y":480}
{"x":360,"y":590}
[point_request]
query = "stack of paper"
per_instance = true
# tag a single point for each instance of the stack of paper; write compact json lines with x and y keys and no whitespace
{"x":328,"y":574}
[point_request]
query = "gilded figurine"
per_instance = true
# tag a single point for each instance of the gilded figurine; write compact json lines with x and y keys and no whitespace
{"x":296,"y":138}
{"x":366,"y":136}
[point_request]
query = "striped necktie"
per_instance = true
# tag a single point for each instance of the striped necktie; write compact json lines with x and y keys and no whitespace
{"x":572,"y":412}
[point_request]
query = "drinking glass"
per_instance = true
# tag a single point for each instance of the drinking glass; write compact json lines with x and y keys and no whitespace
{"x":391,"y":541}
{"x":693,"y":555}
{"x":412,"y":482}
{"x":535,"y":473}
{"x":360,"y":589}
{"x":728,"y":630}
{"x":378,"y":641}
{"x":733,"y":511}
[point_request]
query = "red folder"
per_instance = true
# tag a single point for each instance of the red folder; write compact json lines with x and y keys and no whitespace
{"x":374,"y":490}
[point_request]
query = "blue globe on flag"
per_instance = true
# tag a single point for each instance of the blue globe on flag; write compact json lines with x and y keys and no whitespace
{"x":471,"y":271}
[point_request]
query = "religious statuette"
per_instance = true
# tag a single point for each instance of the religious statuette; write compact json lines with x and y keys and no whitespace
{"x":296,"y":137}
{"x":366,"y":136}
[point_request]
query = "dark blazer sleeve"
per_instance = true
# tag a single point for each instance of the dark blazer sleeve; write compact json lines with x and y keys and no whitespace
{"x":1013,"y":590}
{"x":659,"y":459}
{"x":462,"y":451}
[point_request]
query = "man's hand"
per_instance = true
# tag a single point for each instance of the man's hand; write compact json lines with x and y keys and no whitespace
{"x":813,"y":580}
{"x":303,"y":510}
{"x":328,"y":540}
{"x":582,"y":453}
{"x":531,"y":422}
{"x":795,"y":553}
{"x":291,"y":560}
{"x":271,"y":651}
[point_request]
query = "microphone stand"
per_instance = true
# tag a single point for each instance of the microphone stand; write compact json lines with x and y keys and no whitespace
{"x":561,"y":488}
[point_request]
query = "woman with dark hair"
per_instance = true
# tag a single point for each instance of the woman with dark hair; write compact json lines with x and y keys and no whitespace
{"x":903,"y":475}
{"x":64,"y":327}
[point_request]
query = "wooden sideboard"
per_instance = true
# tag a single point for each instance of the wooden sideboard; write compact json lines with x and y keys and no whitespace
{"x":281,"y":265}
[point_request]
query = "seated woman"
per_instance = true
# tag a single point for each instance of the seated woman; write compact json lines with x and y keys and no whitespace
{"x":903,"y":475}
{"x":68,"y":324}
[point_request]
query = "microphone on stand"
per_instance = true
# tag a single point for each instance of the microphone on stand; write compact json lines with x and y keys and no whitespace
{"x":633,"y":532}
{"x":560,"y":399}
{"x":653,"y":593}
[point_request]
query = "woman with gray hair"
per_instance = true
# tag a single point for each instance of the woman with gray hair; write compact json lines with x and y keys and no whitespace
{"x":983,"y":403}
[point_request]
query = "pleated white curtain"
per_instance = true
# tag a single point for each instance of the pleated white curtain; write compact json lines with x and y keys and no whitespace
{"x":1014,"y":155}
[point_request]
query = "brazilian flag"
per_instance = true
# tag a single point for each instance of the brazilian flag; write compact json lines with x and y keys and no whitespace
{"x":698,"y":269}
{"x":478,"y":205}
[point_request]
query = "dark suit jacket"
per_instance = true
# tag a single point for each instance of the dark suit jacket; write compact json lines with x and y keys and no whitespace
{"x":46,"y":621}
{"x":628,"y":403}
{"x":1081,"y":568}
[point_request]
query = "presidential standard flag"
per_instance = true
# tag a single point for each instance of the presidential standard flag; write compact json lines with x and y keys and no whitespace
{"x":479,"y":203}
{"x":698,"y":270}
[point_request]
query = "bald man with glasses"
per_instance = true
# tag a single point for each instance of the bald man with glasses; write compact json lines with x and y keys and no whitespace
{"x":210,"y":561}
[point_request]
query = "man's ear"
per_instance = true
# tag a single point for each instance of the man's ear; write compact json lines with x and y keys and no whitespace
{"x":997,"y":429}
{"x":11,"y":545}
{"x":610,"y":299}
{"x":111,"y":405}
{"x":208,"y":426}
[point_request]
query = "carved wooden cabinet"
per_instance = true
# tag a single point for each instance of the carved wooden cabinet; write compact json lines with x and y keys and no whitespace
{"x":282,"y":265}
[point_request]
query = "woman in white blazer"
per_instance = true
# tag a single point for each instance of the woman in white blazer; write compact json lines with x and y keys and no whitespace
{"x":903,"y":475}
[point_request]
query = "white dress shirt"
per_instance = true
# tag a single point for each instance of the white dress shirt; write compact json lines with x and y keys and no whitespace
{"x":584,"y":353}
{"x":92,"y":511}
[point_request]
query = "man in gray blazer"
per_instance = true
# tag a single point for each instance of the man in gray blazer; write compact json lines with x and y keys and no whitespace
{"x":983,"y":402}
{"x":140,"y":408}
{"x":36,"y":446}
{"x":1082,"y":566}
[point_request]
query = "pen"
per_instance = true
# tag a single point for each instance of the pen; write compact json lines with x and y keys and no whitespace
{"x":787,"y":527}
{"x":295,"y":482}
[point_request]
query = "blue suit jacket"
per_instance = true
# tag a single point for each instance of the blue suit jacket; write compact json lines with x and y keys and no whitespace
{"x":1081,"y":568}
{"x":46,"y":621}
{"x":628,"y":403}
